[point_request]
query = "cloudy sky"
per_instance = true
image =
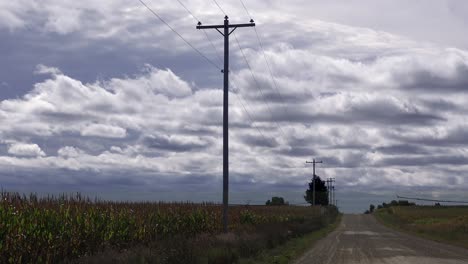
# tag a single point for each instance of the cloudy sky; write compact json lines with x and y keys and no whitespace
{"x":103,"y":98}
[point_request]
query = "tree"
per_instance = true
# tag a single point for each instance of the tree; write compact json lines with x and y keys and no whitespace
{"x":321,"y":192}
{"x":276,"y":201}
{"x":371,"y":208}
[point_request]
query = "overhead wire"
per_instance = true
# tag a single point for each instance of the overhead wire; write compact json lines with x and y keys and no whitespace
{"x":186,"y":9}
{"x":245,"y":8}
{"x":239,"y":97}
{"x":253,"y":76}
{"x":204,"y":31}
{"x":257,"y":84}
{"x":178,"y":34}
{"x":220,"y":7}
{"x":275,"y":85}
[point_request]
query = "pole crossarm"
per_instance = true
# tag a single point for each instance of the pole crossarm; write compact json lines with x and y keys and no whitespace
{"x":314,"y":162}
{"x":226,"y":26}
{"x":229,"y":26}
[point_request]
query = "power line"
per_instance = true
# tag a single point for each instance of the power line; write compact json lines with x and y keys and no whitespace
{"x":180,"y":36}
{"x":245,"y":8}
{"x":275,"y":85}
{"x":188,"y":10}
{"x":239,"y":97}
{"x":253,"y":76}
{"x":257,"y":84}
{"x":204,"y":31}
{"x":213,"y":46}
{"x":220,"y":7}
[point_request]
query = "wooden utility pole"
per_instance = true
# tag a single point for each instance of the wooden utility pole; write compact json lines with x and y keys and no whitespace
{"x":226,"y":32}
{"x":331,"y":190}
{"x":313,"y":179}
{"x":333,"y":195}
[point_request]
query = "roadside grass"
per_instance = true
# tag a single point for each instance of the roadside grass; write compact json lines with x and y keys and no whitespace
{"x":267,"y":243}
{"x":448,"y":224}
{"x":294,"y":248}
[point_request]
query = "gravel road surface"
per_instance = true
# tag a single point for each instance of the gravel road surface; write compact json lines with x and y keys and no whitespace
{"x":361,"y":239}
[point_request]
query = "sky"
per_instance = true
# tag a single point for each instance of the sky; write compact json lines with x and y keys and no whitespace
{"x":103,"y":98}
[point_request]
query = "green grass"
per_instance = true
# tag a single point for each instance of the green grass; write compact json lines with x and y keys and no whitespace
{"x":440,"y":223}
{"x":294,"y":248}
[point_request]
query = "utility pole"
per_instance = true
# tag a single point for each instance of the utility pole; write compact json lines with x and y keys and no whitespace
{"x":331,"y":190}
{"x":313,"y":179}
{"x":226,"y":32}
{"x":333,"y":195}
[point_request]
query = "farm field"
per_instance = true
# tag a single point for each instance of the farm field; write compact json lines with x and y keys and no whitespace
{"x":441,"y":223}
{"x":73,"y":228}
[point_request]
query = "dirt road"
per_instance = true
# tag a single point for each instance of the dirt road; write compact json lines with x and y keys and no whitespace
{"x":361,"y":239}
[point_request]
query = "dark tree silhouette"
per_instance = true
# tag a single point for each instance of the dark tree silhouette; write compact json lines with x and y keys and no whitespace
{"x":276,"y":201}
{"x":321,"y":192}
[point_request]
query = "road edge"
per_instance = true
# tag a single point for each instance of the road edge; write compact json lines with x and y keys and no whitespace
{"x":294,"y":248}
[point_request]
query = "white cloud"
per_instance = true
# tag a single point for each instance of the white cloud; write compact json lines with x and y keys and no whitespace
{"x":43,"y":69}
{"x":10,"y":20}
{"x":69,"y":152}
{"x":100,"y":130}
{"x":26,"y":150}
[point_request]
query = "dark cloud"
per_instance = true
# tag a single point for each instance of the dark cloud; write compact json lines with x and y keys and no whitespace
{"x":259,"y":141}
{"x":168,"y":143}
{"x":298,"y":151}
{"x":424,"y":161}
{"x":366,"y":115}
{"x":441,"y":105}
{"x":402,"y":149}
{"x":378,"y":112}
{"x":352,"y":160}
{"x":61,"y":117}
{"x":429,"y":81}
{"x":351,"y":146}
{"x":453,"y":138}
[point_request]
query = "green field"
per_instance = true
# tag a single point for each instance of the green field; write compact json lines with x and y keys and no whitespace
{"x":55,"y":229}
{"x":441,"y":223}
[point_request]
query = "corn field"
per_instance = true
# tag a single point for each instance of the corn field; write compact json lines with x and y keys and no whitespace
{"x":50,"y":229}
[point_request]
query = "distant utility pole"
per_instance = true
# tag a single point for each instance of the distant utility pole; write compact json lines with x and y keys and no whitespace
{"x":333,"y":195}
{"x":330,"y":189}
{"x":313,"y":180}
{"x":226,"y":26}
